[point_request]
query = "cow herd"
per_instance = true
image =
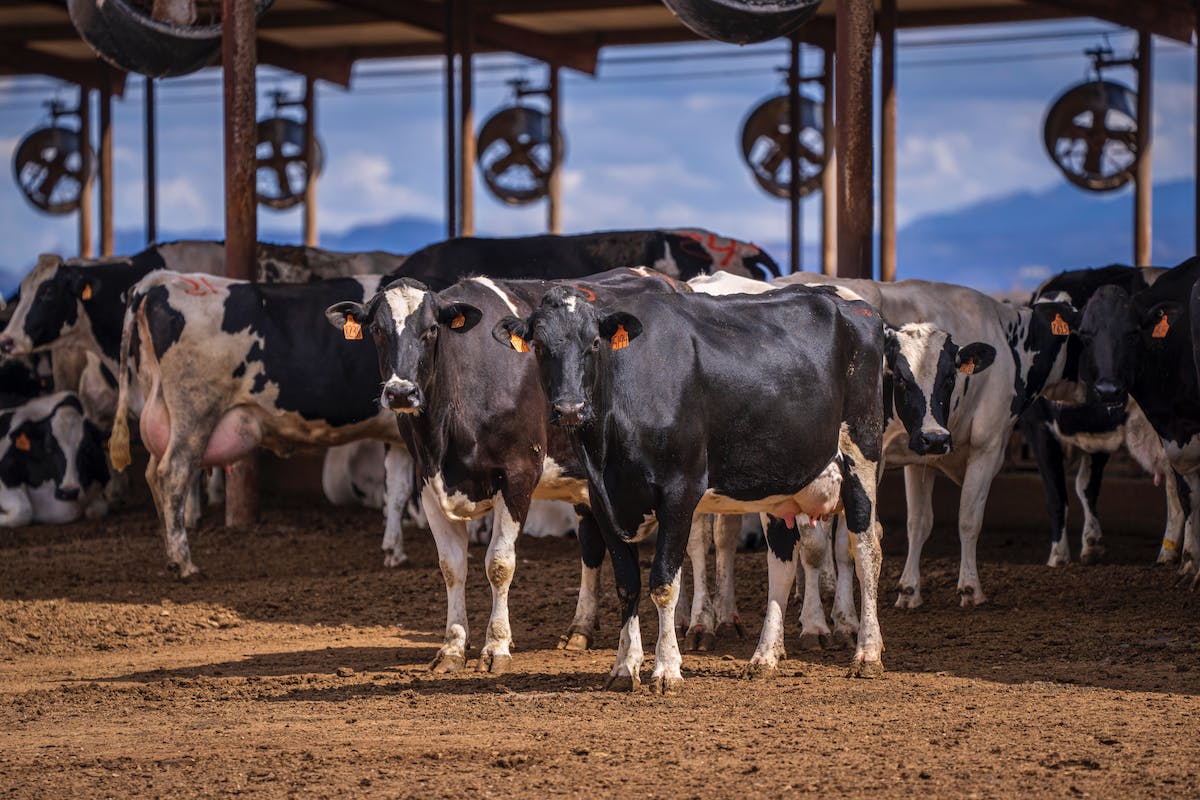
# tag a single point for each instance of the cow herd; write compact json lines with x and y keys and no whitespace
{"x":663,"y":383}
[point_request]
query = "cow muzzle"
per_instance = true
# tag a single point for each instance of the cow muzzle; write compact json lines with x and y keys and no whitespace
{"x":68,"y":493}
{"x":568,"y":413}
{"x":931,"y":443}
{"x":1109,"y":393}
{"x":402,"y":397}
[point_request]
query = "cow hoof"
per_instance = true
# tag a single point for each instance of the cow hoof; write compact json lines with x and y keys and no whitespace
{"x":447,"y":662}
{"x":574,"y":641}
{"x":730,"y":629}
{"x":623,"y":683}
{"x":394,"y":559}
{"x":699,"y":639}
{"x":1092,"y":555}
{"x":1166,"y":556}
{"x":862,"y":668}
{"x":760,"y":670}
{"x":495,"y":663}
{"x":1057,"y":560}
{"x":187,"y":572}
{"x":666,"y":684}
{"x":813,"y":641}
{"x":970,"y":597}
{"x":909,"y":598}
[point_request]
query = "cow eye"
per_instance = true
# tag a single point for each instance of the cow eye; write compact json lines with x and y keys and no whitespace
{"x":596,"y":344}
{"x":430,"y":332}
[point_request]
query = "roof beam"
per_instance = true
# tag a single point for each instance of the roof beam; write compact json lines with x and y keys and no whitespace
{"x":563,"y":51}
{"x":88,"y":73}
{"x":331,"y":64}
{"x":1170,"y":19}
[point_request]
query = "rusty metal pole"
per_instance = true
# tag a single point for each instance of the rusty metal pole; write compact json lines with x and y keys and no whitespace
{"x":829,"y":176}
{"x":793,"y":153}
{"x":855,"y":137}
{"x":887,"y":143}
{"x":106,"y":168}
{"x":311,"y":235}
{"x":1143,"y":188}
{"x":554,"y":187}
{"x":466,"y":174}
{"x":238,"y":59}
{"x":451,"y":148}
{"x":151,"y":165}
{"x":85,"y":192}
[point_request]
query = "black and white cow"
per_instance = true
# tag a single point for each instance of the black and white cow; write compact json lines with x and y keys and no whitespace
{"x":475,"y":421}
{"x":1031,"y":355}
{"x":681,"y":405}
{"x":226,"y":366}
{"x":681,"y":254}
{"x":1142,"y":346}
{"x":52,"y":465}
{"x":1096,"y":429}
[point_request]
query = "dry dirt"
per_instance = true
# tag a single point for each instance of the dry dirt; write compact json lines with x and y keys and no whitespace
{"x":298,"y":668}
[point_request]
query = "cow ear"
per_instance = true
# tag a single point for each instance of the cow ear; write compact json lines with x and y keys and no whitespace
{"x":620,"y":329}
{"x":974,"y":358}
{"x":83,"y":285}
{"x":1158,"y":321}
{"x":512,"y":332}
{"x":459,"y":317}
{"x":1061,"y":318}
{"x":348,"y":317}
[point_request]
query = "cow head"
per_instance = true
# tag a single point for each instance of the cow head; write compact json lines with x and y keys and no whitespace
{"x":406,"y":320}
{"x":924,"y":363}
{"x":49,"y":306}
{"x":60,"y":446}
{"x":572,"y":341}
{"x":1113,"y":334}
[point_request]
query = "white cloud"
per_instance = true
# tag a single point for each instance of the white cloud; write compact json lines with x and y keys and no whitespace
{"x":362,"y":187}
{"x":181,"y":203}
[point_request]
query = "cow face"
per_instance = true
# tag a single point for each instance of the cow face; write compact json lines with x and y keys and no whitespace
{"x":924,"y":364}
{"x":406,"y":320}
{"x":1111,"y":335}
{"x":49,"y":307}
{"x":571,"y":340}
{"x":62,"y":447}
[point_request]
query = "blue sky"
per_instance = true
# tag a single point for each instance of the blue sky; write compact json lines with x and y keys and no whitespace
{"x":649,"y":143}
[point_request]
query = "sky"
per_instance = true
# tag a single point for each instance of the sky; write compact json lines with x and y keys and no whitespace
{"x":652,"y":140}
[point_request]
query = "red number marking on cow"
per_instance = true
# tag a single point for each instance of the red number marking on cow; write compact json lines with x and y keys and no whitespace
{"x":198,"y":288}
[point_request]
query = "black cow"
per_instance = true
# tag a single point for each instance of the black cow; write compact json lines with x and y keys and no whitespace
{"x":1142,"y":346}
{"x":682,"y":404}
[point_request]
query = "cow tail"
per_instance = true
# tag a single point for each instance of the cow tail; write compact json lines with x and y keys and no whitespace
{"x":118,"y":443}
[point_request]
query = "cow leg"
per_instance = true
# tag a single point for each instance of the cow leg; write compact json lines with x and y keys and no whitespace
{"x":626,"y":672}
{"x":1048,"y":453}
{"x":591,"y":555}
{"x":215,"y":486}
{"x":1087,"y":487}
{"x":918,"y":494}
{"x":397,"y":477}
{"x":845,"y":616}
{"x":977,"y":482}
{"x":727,"y":532}
{"x":702,"y":624}
{"x":782,"y":542}
{"x":675,"y":525}
{"x":814,"y":546}
{"x":859,"y":482}
{"x":16,"y":509}
{"x":1191,"y":541}
{"x":177,"y":473}
{"x":1178,"y":508}
{"x":451,"y":540}
{"x":501,"y":563}
{"x":192,"y":505}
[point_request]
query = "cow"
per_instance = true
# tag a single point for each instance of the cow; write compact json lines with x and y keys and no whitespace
{"x":52,"y":465}
{"x":1031,"y":354}
{"x":475,"y":422}
{"x":923,"y":367}
{"x":681,"y":254}
{"x":1095,"y":429}
{"x":1142,"y":346}
{"x":681,"y":405}
{"x":224,"y":366}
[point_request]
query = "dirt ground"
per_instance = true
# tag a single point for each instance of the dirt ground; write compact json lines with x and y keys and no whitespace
{"x":297,"y":667}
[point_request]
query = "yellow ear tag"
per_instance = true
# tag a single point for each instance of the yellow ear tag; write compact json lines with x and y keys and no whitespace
{"x":351,"y":330}
{"x":86,"y":294}
{"x":458,"y":321}
{"x":1161,"y":329}
{"x":620,"y":339}
{"x":1059,"y":326}
{"x":22,"y":442}
{"x":967,"y":367}
{"x":518,"y":343}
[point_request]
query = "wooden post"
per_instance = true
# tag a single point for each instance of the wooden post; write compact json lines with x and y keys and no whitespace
{"x":855,"y":136}
{"x":829,"y":176}
{"x":238,"y":59}
{"x":887,"y":143}
{"x":85,"y":192}
{"x":151,"y":165}
{"x":554,"y":193}
{"x":312,"y":236}
{"x":793,"y":153}
{"x":451,"y":148}
{"x":106,"y":168}
{"x":1143,"y":189}
{"x":466,"y":167}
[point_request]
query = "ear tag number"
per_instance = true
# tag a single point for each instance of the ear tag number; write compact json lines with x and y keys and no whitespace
{"x":620,"y":339}
{"x":1161,"y":329}
{"x":351,"y":330}
{"x":518,"y":343}
{"x":86,"y":294}
{"x":458,"y":321}
{"x":22,"y":443}
{"x":1059,"y":326}
{"x":967,"y":367}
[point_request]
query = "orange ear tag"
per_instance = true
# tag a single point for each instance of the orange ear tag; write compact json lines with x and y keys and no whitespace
{"x":1161,"y":329}
{"x":518,"y":343}
{"x":620,"y":339}
{"x":22,"y":442}
{"x":458,"y":321}
{"x":967,"y":367}
{"x":1059,"y":326}
{"x":86,"y":294}
{"x":351,"y":330}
